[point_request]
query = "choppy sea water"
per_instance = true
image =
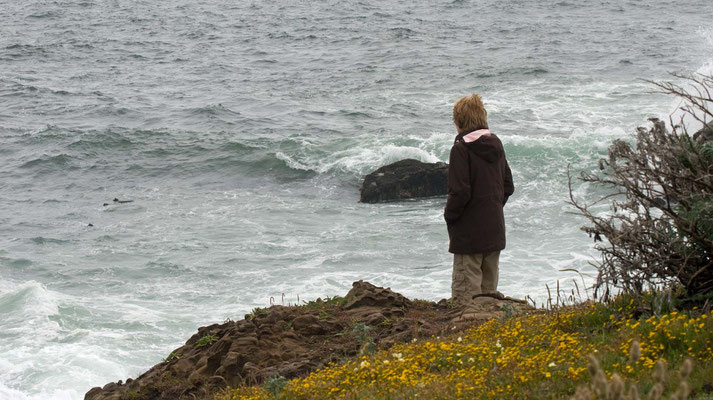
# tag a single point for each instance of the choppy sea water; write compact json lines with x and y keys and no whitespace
{"x":241,"y":132}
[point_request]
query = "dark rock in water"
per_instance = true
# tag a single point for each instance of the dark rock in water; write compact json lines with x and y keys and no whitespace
{"x":117,"y":201}
{"x":122,"y":201}
{"x":405,"y":179}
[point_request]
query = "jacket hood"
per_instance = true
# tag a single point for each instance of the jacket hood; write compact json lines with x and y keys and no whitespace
{"x":483,"y":144}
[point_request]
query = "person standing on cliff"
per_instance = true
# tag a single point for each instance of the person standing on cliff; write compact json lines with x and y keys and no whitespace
{"x":479,"y":185}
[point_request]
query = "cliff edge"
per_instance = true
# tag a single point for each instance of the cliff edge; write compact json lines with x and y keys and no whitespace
{"x":292,"y":341}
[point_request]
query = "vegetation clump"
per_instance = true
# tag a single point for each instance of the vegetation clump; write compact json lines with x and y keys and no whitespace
{"x":658,"y":231}
{"x":615,"y":388}
{"x":275,"y":384}
{"x":206,"y":340}
{"x":542,"y":355}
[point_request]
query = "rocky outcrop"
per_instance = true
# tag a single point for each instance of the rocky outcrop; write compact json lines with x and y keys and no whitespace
{"x":405,"y":179}
{"x":292,"y":341}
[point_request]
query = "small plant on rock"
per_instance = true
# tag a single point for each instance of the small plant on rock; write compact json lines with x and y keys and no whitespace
{"x":275,"y":384}
{"x":361,"y":331}
{"x":508,"y":310}
{"x":327,"y":302}
{"x":256,"y":312}
{"x":171,"y":357}
{"x":451,"y":304}
{"x":421,"y":303}
{"x":206,"y":340}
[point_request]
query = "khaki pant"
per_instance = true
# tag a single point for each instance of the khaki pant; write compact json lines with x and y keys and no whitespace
{"x":474,"y":274}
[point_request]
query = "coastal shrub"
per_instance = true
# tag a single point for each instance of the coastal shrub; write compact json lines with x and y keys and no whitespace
{"x":658,"y":230}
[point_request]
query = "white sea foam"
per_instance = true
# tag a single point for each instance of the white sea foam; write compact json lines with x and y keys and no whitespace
{"x":7,"y":393}
{"x":35,"y":344}
{"x":434,"y":147}
{"x":359,"y":160}
{"x":26,"y":308}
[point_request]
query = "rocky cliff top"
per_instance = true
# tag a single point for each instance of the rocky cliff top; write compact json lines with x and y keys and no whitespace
{"x":293,"y":341}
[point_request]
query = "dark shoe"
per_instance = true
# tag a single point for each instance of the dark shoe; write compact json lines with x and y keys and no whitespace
{"x":495,"y":295}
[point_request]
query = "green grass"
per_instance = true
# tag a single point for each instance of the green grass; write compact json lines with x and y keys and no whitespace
{"x":326,"y":303}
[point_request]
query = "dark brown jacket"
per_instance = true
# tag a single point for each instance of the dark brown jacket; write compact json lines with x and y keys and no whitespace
{"x":479,"y":184}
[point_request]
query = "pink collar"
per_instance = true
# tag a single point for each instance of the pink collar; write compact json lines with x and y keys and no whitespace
{"x":475,"y":135}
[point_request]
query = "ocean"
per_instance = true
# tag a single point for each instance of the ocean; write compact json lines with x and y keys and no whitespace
{"x":240,"y":132}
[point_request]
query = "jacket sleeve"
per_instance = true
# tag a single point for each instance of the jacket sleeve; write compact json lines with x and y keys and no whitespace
{"x":458,"y":183}
{"x":507,"y":181}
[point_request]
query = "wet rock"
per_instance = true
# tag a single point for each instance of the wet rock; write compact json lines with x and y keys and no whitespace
{"x":405,"y":179}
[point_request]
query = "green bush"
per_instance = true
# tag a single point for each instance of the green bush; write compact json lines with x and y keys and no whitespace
{"x":658,"y":231}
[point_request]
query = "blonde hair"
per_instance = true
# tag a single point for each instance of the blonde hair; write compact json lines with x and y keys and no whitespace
{"x":469,"y":114}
